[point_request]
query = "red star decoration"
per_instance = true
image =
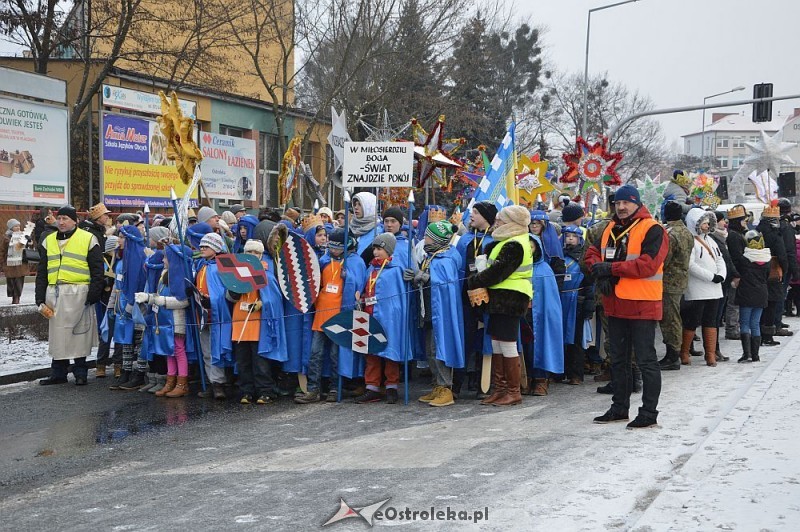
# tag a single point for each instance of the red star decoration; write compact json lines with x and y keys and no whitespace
{"x":433,"y":151}
{"x":592,"y":164}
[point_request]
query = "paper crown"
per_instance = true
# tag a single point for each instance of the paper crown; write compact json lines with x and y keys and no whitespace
{"x":771,"y":212}
{"x":436,"y":215}
{"x":737,"y":211}
{"x":97,"y":211}
{"x":681,"y":178}
{"x":309,"y":221}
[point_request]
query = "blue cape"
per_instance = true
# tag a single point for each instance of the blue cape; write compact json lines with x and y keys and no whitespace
{"x":311,"y":237}
{"x":447,"y":316}
{"x":220,"y":321}
{"x":123,"y":322}
{"x":249,"y":222}
{"x":196,"y":232}
{"x":549,"y":238}
{"x":134,"y":275}
{"x":390,"y":309}
{"x":477,"y":339}
{"x":159,"y":333}
{"x":569,"y":299}
{"x":178,"y":268}
{"x":154,"y":267}
{"x":548,"y":337}
{"x":272,"y":337}
{"x":351,"y":365}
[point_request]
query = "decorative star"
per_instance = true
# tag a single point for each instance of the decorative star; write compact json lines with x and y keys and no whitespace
{"x":532,"y":180}
{"x":383,"y":131}
{"x":651,"y":193}
{"x":591,"y":165}
{"x":434,"y":152}
{"x":703,"y":189}
{"x":768,"y":154}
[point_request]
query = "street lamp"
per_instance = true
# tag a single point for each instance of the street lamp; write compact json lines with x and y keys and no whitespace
{"x":703,"y":134}
{"x":586,"y":64}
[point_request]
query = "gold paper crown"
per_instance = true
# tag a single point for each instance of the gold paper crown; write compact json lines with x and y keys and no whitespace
{"x":436,"y":215}
{"x":756,"y":243}
{"x":682,"y":179}
{"x":309,"y":221}
{"x":737,"y":211}
{"x":97,"y":211}
{"x":771,"y":212}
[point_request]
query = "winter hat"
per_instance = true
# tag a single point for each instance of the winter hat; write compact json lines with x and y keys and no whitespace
{"x":672,"y":211}
{"x":237,"y":208}
{"x":213,"y":241}
{"x":326,"y":211}
{"x":205,"y":214}
{"x":385,"y":241}
{"x":159,"y":234}
{"x":487,"y":210}
{"x":97,"y":211}
{"x":719,"y":216}
{"x":573,"y":230}
{"x":572,"y":212}
{"x":112,"y":241}
{"x":515,"y":214}
{"x":128,"y":217}
{"x":441,"y":233}
{"x":229,"y":218}
{"x":12,"y":223}
{"x":254,"y":245}
{"x":394,"y":212}
{"x":336,"y":240}
{"x":68,"y":210}
{"x":628,"y":193}
{"x":754,"y":240}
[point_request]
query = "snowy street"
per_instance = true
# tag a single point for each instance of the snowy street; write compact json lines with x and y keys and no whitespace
{"x":722,"y":458}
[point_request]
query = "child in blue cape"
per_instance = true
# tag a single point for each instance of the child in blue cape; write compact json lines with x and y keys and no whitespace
{"x":440,"y":315}
{"x":577,"y":303}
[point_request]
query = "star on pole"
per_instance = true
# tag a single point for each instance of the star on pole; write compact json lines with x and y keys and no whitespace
{"x":651,"y":193}
{"x":768,"y":154}
{"x":433,"y":152}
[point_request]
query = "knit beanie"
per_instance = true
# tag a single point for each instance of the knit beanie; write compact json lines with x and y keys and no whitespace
{"x":229,"y":218}
{"x":237,"y":208}
{"x":336,"y":240}
{"x":672,"y":211}
{"x":205,"y":214}
{"x":12,"y":223}
{"x":385,"y":241}
{"x":68,"y":210}
{"x":628,"y":193}
{"x":254,"y":245}
{"x":440,"y":233}
{"x":213,"y":241}
{"x":487,"y":210}
{"x":572,"y":212}
{"x":159,"y":234}
{"x":394,"y":212}
{"x":112,"y":241}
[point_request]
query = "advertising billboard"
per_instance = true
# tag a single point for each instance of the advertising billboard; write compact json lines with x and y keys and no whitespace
{"x":134,"y":164}
{"x":229,"y":167}
{"x":34,"y":153}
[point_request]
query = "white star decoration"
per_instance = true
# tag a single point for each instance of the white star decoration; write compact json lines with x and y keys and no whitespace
{"x":651,"y":193}
{"x":770,"y":153}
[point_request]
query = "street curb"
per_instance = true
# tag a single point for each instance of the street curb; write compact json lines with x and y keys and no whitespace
{"x":31,"y":375}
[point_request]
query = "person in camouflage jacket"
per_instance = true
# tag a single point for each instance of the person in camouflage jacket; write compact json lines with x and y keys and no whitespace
{"x":676,"y":278}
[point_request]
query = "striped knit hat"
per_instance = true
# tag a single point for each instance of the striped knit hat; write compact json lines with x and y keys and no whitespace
{"x":440,"y":233}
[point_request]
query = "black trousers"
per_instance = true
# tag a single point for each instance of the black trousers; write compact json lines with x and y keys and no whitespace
{"x":574,"y":355}
{"x":255,"y":377}
{"x":641,"y":336}
{"x":700,"y":312}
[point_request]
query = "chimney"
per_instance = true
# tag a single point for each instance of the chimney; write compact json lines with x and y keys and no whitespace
{"x":719,"y":116}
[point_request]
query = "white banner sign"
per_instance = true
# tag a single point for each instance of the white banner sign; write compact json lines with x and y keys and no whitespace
{"x":229,"y":167}
{"x":378,"y":164}
{"x":34,"y":153}
{"x":143,"y":102}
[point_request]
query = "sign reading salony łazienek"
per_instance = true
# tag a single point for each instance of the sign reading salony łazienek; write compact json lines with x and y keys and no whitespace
{"x":378,"y":164}
{"x":34,"y":153}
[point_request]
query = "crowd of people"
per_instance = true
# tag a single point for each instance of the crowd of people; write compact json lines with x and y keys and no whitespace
{"x":550,"y":296}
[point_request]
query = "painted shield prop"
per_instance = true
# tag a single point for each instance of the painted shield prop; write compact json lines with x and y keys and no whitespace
{"x":298,"y":273}
{"x":241,"y":273}
{"x":356,"y":330}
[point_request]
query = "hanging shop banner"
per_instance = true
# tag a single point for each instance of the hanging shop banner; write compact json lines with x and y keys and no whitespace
{"x":142,"y":102}
{"x":134,"y":163}
{"x":229,"y":167}
{"x":34,"y":153}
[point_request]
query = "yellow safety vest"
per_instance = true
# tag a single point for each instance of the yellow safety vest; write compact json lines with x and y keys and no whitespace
{"x":520,"y":279}
{"x":69,"y":265}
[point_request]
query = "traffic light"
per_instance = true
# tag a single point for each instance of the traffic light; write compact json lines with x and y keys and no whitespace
{"x":762,"y":111}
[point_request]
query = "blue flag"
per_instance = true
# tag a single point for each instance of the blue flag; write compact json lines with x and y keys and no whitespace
{"x":498,"y":182}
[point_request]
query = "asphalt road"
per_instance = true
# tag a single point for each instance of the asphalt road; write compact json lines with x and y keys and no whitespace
{"x":86,"y":458}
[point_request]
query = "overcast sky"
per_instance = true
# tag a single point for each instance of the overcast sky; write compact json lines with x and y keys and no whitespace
{"x":679,"y":51}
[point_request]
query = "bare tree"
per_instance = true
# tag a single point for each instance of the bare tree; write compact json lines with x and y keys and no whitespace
{"x":35,"y":25}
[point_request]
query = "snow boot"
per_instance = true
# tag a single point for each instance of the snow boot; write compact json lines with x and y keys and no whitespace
{"x":150,"y":381}
{"x":135,"y":382}
{"x":671,"y":361}
{"x":123,"y":378}
{"x":540,"y":387}
{"x":445,"y":397}
{"x":428,"y":397}
{"x":100,"y":371}
{"x":688,"y":337}
{"x":161,"y":381}
{"x":499,"y":383}
{"x":710,"y":345}
{"x":169,"y":385}
{"x":181,"y":388}
{"x":755,"y":345}
{"x":512,"y":371}
{"x":745,"y":348}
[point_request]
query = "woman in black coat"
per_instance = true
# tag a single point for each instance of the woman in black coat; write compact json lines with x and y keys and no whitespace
{"x":768,"y":226}
{"x":752,"y":294}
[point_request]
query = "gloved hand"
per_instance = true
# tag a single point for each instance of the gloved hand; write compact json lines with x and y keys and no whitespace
{"x":255,"y":307}
{"x":601,"y":269}
{"x":717,"y":279}
{"x":421,"y":278}
{"x":408,"y":275}
{"x":141,"y":297}
{"x":605,"y":285}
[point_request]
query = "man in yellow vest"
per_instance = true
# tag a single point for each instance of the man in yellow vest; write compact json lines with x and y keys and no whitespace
{"x":69,"y":282}
{"x":628,"y":264}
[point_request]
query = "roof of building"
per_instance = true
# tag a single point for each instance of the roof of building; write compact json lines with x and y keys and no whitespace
{"x":737,"y":122}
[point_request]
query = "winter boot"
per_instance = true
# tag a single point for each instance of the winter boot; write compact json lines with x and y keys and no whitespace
{"x":181,"y":388}
{"x":755,"y":345}
{"x":710,"y":345}
{"x":117,"y":371}
{"x":688,"y":337}
{"x":123,"y":378}
{"x":671,"y":361}
{"x":540,"y":387}
{"x":161,"y":381}
{"x":766,"y":336}
{"x":169,"y":385}
{"x":512,"y":372}
{"x":720,"y":356}
{"x":219,"y":391}
{"x":135,"y":382}
{"x":692,"y":351}
{"x":151,"y":381}
{"x":100,"y":371}
{"x":499,"y":383}
{"x":745,"y":338}
{"x":428,"y":397}
{"x":445,"y":397}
